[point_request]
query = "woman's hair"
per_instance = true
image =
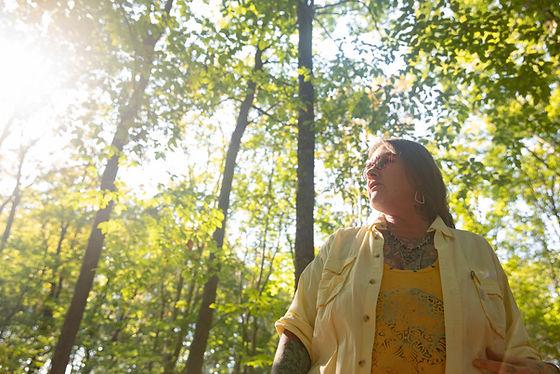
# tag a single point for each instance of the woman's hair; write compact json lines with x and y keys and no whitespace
{"x":424,"y":175}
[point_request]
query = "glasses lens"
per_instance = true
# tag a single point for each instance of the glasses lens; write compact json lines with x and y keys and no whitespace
{"x":378,"y":164}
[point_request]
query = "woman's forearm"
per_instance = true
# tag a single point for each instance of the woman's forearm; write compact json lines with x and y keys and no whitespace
{"x":291,"y":356}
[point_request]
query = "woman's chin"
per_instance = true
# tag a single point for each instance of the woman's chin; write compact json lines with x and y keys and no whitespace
{"x":375,"y":201}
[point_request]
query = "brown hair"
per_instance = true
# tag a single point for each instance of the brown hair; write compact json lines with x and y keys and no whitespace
{"x":424,"y":175}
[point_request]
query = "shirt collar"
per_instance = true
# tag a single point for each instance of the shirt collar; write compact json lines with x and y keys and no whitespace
{"x":380,"y":223}
{"x":439,"y":225}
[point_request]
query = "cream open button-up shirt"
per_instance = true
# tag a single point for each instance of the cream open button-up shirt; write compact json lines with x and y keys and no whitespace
{"x":333,"y":310}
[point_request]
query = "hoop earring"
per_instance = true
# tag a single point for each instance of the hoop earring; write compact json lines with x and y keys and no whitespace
{"x":419,"y":201}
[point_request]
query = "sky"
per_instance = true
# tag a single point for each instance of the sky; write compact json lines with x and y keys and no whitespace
{"x":30,"y":102}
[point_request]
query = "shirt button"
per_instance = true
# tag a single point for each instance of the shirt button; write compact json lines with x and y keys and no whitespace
{"x":362,"y":362}
{"x":366,"y":318}
{"x":372,"y":281}
{"x":376,"y":255}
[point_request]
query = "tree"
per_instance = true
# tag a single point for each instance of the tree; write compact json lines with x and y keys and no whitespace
{"x":92,"y":254}
{"x":16,"y":195}
{"x":204,"y":322}
{"x":305,"y":200}
{"x":268,"y":23}
{"x":476,"y":82}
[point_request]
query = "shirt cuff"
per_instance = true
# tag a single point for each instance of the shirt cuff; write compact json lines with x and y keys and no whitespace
{"x":297,"y":327}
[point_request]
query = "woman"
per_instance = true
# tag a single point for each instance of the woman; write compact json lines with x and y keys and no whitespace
{"x":407,"y":294}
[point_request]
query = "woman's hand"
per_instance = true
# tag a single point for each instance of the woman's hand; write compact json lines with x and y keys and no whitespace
{"x":497,"y":364}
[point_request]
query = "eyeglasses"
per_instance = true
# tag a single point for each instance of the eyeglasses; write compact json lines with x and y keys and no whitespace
{"x":379,"y":163}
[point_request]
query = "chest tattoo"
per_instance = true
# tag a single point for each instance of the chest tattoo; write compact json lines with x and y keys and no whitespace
{"x":393,"y":257}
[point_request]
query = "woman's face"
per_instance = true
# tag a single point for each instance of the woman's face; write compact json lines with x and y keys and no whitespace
{"x":389,"y":189}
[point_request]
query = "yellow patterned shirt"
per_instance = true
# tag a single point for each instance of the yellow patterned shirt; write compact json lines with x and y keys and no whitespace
{"x":410,"y":330}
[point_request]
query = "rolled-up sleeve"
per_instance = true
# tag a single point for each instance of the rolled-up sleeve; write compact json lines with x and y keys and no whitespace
{"x":300,"y":317}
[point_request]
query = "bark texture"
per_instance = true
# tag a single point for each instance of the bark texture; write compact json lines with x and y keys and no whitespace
{"x":305,"y":196}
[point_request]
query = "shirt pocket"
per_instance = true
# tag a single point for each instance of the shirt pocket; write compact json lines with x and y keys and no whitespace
{"x":333,"y":278}
{"x":491,"y":300}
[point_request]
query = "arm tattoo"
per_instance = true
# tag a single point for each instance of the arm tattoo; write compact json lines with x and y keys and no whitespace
{"x":291,"y":356}
{"x":510,"y":369}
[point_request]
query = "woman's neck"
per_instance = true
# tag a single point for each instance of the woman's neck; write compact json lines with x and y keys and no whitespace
{"x":412,"y":226}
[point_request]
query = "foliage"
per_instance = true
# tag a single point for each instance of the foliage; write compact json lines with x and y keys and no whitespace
{"x":476,"y":81}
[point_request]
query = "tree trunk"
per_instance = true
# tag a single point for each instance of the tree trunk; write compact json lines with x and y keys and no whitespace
{"x":96,"y":239}
{"x":171,"y":360}
{"x":6,"y":130}
{"x":10,"y":222}
{"x":47,"y":314}
{"x":5,"y":202}
{"x":191,"y":302}
{"x":90,"y":329}
{"x":204,"y":321}
{"x":305,"y":197}
{"x":170,"y":344}
{"x":16,"y":198}
{"x":9,"y":313}
{"x":56,"y":277}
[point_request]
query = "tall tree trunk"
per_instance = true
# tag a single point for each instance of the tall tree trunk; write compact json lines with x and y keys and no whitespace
{"x":6,"y":130}
{"x":56,"y":277}
{"x":305,"y":197}
{"x":47,"y":314}
{"x":90,"y":330}
{"x":191,"y":302}
{"x":10,"y":221}
{"x":5,"y":202}
{"x":550,"y":258}
{"x":8,"y":313}
{"x":16,"y":198}
{"x":171,"y":361}
{"x":169,"y":347}
{"x":161,"y":318}
{"x":96,"y":239}
{"x":204,"y":321}
{"x":168,"y":353}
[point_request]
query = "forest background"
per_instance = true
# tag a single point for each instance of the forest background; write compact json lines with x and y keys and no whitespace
{"x":128,"y":129}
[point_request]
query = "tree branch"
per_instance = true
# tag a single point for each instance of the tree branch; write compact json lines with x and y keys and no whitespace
{"x":333,"y":5}
{"x":543,"y":161}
